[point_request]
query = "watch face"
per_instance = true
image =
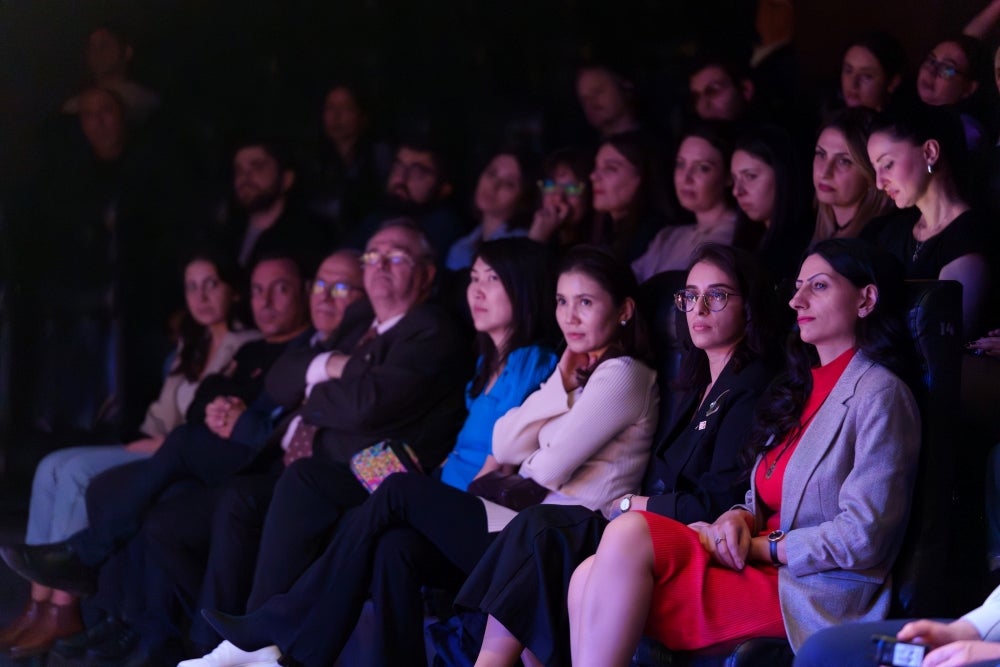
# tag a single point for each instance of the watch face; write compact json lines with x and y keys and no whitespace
{"x":776,"y":535}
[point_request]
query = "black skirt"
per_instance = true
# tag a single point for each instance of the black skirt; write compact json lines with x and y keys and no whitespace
{"x":523,"y":578}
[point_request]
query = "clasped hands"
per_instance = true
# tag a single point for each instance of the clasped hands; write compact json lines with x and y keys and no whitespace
{"x":728,"y":539}
{"x":221,"y":415}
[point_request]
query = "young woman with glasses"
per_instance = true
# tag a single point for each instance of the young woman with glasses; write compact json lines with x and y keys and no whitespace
{"x":565,"y":215}
{"x":694,"y":473}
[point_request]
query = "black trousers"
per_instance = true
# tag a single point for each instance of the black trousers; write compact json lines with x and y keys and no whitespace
{"x":312,"y":622}
{"x":117,"y":500}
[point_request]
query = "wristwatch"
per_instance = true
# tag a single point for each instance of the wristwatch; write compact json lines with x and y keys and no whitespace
{"x":772,"y":539}
{"x":626,"y":504}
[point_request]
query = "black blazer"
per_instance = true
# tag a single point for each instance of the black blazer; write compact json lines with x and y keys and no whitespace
{"x":406,"y":384}
{"x":695,"y":472}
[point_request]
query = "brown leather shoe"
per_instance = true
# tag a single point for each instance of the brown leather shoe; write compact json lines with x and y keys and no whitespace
{"x":32,"y":612}
{"x":56,"y":622}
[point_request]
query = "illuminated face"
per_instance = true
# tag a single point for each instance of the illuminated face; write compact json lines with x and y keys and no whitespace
{"x":601,"y":98}
{"x":395,"y":274}
{"x":715,"y":96}
{"x":208,"y":298}
{"x":700,"y":176}
{"x":489,"y":303}
{"x":336,"y":286}
{"x":838,"y":179}
{"x":276,"y":297}
{"x":343,"y":119}
{"x":586,"y":314}
{"x":499,"y":187}
{"x":863,"y":81}
{"x":414,"y":177}
{"x":900,"y":168}
{"x":616,"y":182}
{"x":827,"y":307}
{"x":715,"y":331}
{"x":754,"y":186}
{"x":258,"y":181}
{"x":944,"y":76}
{"x":569,"y":192}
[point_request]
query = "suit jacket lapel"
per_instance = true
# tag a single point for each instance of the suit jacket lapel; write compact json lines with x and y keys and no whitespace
{"x":820,"y":435}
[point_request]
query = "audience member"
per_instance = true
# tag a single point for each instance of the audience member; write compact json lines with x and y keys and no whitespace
{"x":949,"y":76}
{"x":628,"y":195}
{"x":873,"y":71}
{"x":694,"y":474}
{"x":109,"y":53}
{"x":767,"y":184}
{"x":703,"y":186}
{"x":918,"y":156}
{"x":608,"y":99}
{"x":419,"y":187}
{"x":226,"y":425}
{"x":844,"y":178}
{"x":565,"y":216}
{"x":836,"y":455}
{"x":583,"y":438}
{"x":263,"y":179}
{"x":210,"y":336}
{"x":720,"y":90}
{"x":344,"y":181}
{"x":502,"y":201}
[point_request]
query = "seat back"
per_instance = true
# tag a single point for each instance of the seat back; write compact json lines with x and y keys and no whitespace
{"x":668,"y":329}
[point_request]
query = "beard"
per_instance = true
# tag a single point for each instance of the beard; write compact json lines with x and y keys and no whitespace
{"x":255,"y":200}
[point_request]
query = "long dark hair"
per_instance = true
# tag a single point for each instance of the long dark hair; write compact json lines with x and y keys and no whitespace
{"x":617,"y":279}
{"x":882,"y":336}
{"x":524,"y":269}
{"x":760,"y":340}
{"x":638,"y":150}
{"x":195,"y":339}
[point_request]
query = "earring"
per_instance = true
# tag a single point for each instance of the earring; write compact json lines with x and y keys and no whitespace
{"x":624,"y":322}
{"x":930,"y":168}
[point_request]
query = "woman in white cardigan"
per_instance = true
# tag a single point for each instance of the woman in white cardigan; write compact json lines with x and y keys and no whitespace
{"x":582,"y":438}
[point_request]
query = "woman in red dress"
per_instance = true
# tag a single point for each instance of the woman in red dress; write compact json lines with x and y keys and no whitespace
{"x":836,"y":443}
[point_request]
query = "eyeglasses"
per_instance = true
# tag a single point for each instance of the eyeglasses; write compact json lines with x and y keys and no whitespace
{"x":394,"y":257}
{"x":943,"y":69}
{"x":336,"y":290}
{"x":550,"y":187}
{"x":715,"y":299}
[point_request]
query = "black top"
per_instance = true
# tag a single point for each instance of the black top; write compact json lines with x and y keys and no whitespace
{"x":695,"y":472}
{"x":965,"y":235}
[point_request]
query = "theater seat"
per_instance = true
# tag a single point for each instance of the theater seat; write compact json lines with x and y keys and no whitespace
{"x":923,"y":585}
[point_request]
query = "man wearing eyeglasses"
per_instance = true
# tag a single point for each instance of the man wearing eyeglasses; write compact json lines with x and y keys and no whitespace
{"x":419,"y":187}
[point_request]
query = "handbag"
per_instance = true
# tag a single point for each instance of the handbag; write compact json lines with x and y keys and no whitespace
{"x":373,"y":464}
{"x":508,"y":489}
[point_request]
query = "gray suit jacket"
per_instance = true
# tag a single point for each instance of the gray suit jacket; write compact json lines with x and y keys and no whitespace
{"x":845,"y":500}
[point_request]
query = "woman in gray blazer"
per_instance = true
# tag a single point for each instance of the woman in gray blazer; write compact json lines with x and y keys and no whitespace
{"x":835,"y":443}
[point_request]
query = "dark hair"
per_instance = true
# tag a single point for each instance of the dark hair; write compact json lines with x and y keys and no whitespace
{"x":882,"y":336}
{"x":527,"y":164}
{"x":579,"y":161}
{"x":195,"y":340}
{"x":773,"y":145}
{"x":281,"y":255}
{"x":426,"y":141}
{"x":761,"y":339}
{"x":622,"y":76}
{"x":275,"y":149}
{"x":617,"y":279}
{"x":975,"y":52}
{"x":919,"y":123}
{"x":856,"y":126}
{"x":637,"y":149}
{"x":887,"y":51}
{"x":736,"y":71}
{"x":525,"y":272}
{"x":719,"y":136}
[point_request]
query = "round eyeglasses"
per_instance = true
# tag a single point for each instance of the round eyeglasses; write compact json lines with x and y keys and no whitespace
{"x":715,"y":299}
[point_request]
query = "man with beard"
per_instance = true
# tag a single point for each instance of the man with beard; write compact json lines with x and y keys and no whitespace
{"x":419,"y":187}
{"x":262,"y":182}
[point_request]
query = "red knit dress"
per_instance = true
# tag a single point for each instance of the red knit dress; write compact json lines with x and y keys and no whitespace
{"x":698,"y":602}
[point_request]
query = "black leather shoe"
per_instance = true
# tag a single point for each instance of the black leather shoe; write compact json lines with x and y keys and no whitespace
{"x":53,"y":565}
{"x":77,"y":645}
{"x":115,"y":649}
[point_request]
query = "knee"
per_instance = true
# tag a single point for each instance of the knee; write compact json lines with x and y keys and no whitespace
{"x":625,"y":537}
{"x":48,"y":471}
